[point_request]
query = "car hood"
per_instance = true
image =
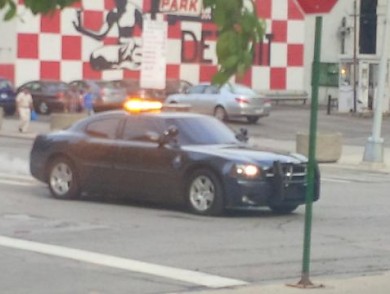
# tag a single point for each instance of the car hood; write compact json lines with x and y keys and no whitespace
{"x":249,"y":154}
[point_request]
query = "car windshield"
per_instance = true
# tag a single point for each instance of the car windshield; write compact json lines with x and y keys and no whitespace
{"x":202,"y":131}
{"x":240,"y":89}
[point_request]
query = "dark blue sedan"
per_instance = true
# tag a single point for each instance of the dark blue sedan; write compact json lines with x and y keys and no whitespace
{"x":7,"y":96}
{"x":169,"y":157}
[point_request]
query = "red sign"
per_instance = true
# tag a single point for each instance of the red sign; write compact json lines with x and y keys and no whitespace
{"x":316,"y":6}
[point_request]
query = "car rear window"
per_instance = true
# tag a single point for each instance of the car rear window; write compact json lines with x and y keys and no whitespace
{"x":57,"y":86}
{"x":240,"y":90}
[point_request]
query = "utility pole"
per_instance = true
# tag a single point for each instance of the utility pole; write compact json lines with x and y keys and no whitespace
{"x":374,"y":147}
{"x":354,"y":56}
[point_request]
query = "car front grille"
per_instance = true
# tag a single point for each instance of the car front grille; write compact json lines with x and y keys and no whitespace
{"x":289,"y":172}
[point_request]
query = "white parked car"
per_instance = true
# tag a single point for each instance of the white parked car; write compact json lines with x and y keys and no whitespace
{"x":226,"y":102}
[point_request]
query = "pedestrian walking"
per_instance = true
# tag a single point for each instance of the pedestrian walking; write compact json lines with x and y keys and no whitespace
{"x":24,"y":105}
{"x":88,"y":101}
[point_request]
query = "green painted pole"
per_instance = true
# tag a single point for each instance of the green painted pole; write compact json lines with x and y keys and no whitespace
{"x":305,"y":279}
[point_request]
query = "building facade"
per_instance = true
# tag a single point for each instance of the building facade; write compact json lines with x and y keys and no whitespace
{"x":102,"y":39}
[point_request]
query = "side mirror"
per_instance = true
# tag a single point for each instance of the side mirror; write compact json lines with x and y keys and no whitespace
{"x":242,"y":135}
{"x":169,"y":135}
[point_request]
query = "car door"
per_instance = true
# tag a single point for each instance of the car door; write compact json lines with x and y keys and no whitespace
{"x":207,"y":102}
{"x":95,"y":154}
{"x":145,"y":169}
{"x":193,"y":96}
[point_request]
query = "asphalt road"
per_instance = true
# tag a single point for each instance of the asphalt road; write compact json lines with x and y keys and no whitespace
{"x":286,"y":121}
{"x":350,"y":236}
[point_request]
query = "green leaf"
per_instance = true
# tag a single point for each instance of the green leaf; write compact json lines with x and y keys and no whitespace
{"x":11,"y":11}
{"x":3,"y":3}
{"x":230,"y":62}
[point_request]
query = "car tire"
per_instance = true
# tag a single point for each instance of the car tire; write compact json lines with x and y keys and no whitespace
{"x":283,"y":209}
{"x":252,"y":119}
{"x":62,"y":179}
{"x":220,"y":113}
{"x":205,"y":193}
{"x":43,"y":108}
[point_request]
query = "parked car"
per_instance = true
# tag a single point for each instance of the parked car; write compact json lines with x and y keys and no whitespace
{"x":49,"y":96}
{"x":108,"y":95}
{"x":7,"y":96}
{"x":133,"y":89}
{"x":174,"y":86}
{"x":169,"y":157}
{"x":226,"y":102}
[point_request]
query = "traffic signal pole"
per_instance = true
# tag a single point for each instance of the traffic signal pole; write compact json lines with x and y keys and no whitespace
{"x":305,"y":278}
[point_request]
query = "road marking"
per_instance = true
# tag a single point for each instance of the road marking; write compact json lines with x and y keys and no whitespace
{"x":17,"y":183}
{"x":188,"y":276}
{"x":336,"y":180}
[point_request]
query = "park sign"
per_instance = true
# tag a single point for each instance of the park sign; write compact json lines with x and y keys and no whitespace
{"x":181,"y":7}
{"x":316,"y":6}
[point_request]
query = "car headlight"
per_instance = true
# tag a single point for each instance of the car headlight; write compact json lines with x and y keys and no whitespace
{"x":248,"y":171}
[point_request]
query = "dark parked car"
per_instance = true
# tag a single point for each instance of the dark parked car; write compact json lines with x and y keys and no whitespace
{"x":134,"y":90}
{"x":169,"y":157}
{"x":7,"y":96}
{"x":49,"y":96}
{"x":108,"y":95}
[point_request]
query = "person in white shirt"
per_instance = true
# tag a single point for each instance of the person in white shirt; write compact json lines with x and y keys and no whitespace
{"x":24,"y":105}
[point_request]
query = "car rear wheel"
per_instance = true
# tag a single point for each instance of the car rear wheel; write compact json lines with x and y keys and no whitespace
{"x":205,"y":193}
{"x":62,"y":179}
{"x":252,"y":119}
{"x":43,"y":108}
{"x":220,"y":113}
{"x":283,"y":209}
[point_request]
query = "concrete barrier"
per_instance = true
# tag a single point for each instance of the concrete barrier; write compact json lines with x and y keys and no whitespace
{"x":60,"y":121}
{"x":176,"y":107}
{"x":328,"y":146}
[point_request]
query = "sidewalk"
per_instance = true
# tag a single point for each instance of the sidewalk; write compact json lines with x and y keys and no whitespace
{"x":9,"y":128}
{"x":376,"y":284}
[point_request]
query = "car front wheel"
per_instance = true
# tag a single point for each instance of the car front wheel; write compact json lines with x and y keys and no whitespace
{"x":43,"y":108}
{"x":205,"y":193}
{"x":220,"y":113}
{"x":62,"y":179}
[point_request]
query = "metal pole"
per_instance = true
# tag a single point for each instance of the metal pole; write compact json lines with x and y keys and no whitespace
{"x":354,"y":56}
{"x":374,"y":147}
{"x":305,"y":278}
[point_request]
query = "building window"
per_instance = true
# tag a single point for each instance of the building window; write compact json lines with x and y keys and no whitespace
{"x":368,"y":26}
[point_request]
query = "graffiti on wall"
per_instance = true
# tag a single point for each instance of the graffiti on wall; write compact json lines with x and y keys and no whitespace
{"x":127,"y":53}
{"x":126,"y":16}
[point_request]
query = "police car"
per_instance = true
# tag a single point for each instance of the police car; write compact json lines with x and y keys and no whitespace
{"x":168,"y":157}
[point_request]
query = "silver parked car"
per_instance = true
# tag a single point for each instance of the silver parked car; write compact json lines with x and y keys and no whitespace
{"x":228,"y":101}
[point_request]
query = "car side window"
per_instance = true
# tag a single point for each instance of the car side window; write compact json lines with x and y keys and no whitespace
{"x":211,"y":90}
{"x":141,"y":129}
{"x":196,"y":89}
{"x":103,"y":128}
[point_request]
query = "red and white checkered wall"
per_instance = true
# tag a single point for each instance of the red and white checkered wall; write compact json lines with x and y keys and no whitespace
{"x":50,"y":47}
